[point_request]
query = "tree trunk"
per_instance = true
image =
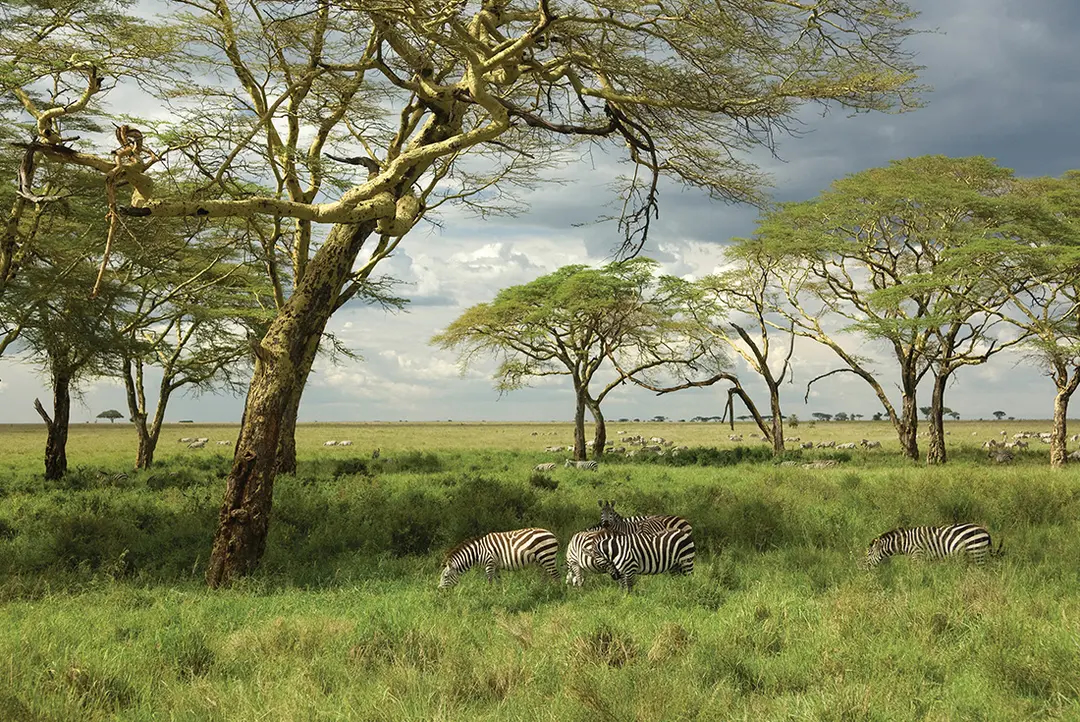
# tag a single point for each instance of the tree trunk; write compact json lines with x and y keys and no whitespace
{"x":1058,"y":441}
{"x":56,"y":443}
{"x":579,"y":427}
{"x":286,"y":453}
{"x":600,"y":432}
{"x":935,"y":451}
{"x":136,"y":398}
{"x":244,"y":519}
{"x":777,"y":419}
{"x":907,"y":427}
{"x":144,"y":457}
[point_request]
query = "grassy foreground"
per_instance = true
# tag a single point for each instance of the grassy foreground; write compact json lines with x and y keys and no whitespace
{"x":105,"y":615}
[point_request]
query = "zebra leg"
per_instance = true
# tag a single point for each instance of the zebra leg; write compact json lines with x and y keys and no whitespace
{"x":490,"y":569}
{"x":627,"y":581}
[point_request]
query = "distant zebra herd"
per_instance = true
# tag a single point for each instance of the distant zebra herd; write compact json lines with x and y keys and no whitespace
{"x":627,"y":547}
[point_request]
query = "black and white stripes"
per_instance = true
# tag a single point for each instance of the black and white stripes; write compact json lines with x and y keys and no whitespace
{"x":653,"y":524}
{"x":502,"y":550}
{"x":625,"y":556}
{"x":932,"y":542}
{"x":580,"y":554}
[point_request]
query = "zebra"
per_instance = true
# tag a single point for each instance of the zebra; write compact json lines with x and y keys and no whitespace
{"x":545,"y":467}
{"x":502,"y":550}
{"x":932,"y":542}
{"x":611,"y":519}
{"x":197,"y":444}
{"x":624,"y":556}
{"x":580,"y":554}
{"x":591,"y":465}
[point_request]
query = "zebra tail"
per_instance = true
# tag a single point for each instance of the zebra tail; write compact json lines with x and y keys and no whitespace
{"x":998,"y":553}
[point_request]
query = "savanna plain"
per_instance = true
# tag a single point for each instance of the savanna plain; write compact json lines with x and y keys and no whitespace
{"x":106,"y":616}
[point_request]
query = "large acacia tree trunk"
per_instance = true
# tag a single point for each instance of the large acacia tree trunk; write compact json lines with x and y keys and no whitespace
{"x":935,"y":451}
{"x":244,"y":519}
{"x":56,"y":443}
{"x":1058,"y":449}
{"x":286,"y":454}
{"x":600,"y":433}
{"x":777,"y":435}
{"x":579,"y":426}
{"x":907,"y":427}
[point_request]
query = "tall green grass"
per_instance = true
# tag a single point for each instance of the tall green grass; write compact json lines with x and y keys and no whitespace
{"x":106,"y":617}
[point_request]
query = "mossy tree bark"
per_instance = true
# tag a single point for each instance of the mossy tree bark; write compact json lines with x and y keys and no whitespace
{"x":244,"y":518}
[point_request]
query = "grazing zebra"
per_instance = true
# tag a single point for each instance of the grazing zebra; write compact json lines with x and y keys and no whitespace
{"x":329,"y":443}
{"x":624,"y":556}
{"x":197,"y":444}
{"x":932,"y":542}
{"x":545,"y":467}
{"x":591,"y":465}
{"x":344,"y":443}
{"x":580,"y":554}
{"x":611,"y":519}
{"x":502,"y":550}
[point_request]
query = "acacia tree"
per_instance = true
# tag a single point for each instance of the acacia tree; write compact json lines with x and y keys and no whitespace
{"x":870,"y":257}
{"x":191,"y":312}
{"x":1037,"y":264}
{"x":407,"y":90}
{"x":66,"y":334}
{"x":578,"y":322}
{"x":748,"y":289}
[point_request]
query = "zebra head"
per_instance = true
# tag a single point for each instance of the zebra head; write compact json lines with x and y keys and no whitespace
{"x":608,"y":516}
{"x":457,"y":563}
{"x":449,"y":577}
{"x":880,"y":548}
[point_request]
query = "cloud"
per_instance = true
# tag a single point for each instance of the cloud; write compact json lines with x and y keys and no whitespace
{"x":1005,"y":86}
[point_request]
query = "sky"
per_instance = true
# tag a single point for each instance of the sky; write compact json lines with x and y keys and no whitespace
{"x":1005,"y":85}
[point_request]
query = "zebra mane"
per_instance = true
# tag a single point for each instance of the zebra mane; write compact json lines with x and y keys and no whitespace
{"x":450,"y":554}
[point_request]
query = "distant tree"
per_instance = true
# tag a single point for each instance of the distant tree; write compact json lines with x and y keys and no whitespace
{"x":925,"y":411}
{"x":793,"y":421}
{"x":575,"y":322}
{"x":820,"y":416}
{"x":1039,"y":267}
{"x":871,"y":255}
{"x":659,"y":419}
{"x":112,"y":415}
{"x":738,"y":308}
{"x":878,"y":416}
{"x":856,"y":417}
{"x":842,"y":416}
{"x":999,"y":415}
{"x":955,"y":416}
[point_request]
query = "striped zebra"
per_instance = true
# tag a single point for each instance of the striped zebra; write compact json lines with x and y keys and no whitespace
{"x":580,"y":554}
{"x":591,"y":465}
{"x":932,"y":542}
{"x":625,"y":556}
{"x":654,"y":524}
{"x":502,"y":550}
{"x":550,"y":466}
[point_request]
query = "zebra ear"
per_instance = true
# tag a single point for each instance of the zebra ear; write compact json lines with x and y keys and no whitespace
{"x":600,"y":503}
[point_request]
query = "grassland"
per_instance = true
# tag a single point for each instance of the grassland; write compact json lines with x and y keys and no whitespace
{"x":105,"y":615}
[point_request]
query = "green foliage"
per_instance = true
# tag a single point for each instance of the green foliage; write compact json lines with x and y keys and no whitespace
{"x":110,"y":616}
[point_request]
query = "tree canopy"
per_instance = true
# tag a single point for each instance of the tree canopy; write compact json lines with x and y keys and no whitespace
{"x":579,"y":320}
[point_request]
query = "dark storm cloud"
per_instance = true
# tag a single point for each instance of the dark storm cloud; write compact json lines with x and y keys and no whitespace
{"x":1004,"y":85}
